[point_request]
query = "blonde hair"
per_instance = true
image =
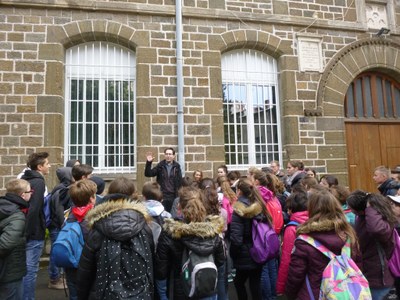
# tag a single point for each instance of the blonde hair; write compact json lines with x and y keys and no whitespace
{"x":17,"y":186}
{"x":226,"y":189}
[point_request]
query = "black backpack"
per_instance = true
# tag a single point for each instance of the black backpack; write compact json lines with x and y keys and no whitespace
{"x":125,"y":269}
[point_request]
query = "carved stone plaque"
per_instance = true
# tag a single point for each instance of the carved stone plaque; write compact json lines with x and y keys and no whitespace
{"x":376,"y":16}
{"x":310,"y":53}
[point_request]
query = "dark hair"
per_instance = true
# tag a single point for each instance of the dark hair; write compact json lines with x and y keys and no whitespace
{"x":101,"y":184}
{"x":79,"y":171}
{"x":312,"y":170}
{"x":151,"y":191}
{"x":251,"y":192}
{"x":330,"y":179}
{"x":297,"y":201}
{"x":358,"y":200}
{"x":169,"y":148}
{"x":223,"y":167}
{"x":81,"y":191}
{"x":210,"y":196}
{"x":340,"y":192}
{"x":123,"y":185}
{"x":297,"y":164}
{"x":234,"y":175}
{"x":37,"y":159}
{"x":308,"y":182}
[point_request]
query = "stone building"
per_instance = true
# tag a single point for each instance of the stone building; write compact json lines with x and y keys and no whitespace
{"x":236,"y":82}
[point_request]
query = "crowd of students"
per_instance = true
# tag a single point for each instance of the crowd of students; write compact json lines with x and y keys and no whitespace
{"x":135,"y":245}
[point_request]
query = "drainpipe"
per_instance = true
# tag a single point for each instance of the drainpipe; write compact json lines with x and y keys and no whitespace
{"x":179,"y":85}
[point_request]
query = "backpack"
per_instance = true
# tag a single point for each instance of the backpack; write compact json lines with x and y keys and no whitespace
{"x":266,"y":242}
{"x":125,"y":269}
{"x":341,"y":279}
{"x":199,"y":274}
{"x":47,"y":209}
{"x":67,"y":249}
{"x":394,"y":261}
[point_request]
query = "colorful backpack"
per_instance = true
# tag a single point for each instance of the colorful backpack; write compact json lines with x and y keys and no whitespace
{"x":341,"y":279}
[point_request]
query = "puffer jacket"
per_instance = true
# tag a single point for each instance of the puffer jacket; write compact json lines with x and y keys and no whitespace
{"x":35,"y":222}
{"x":120,"y":220}
{"x":240,"y":233}
{"x":308,"y":261}
{"x":289,"y":236}
{"x":200,"y":237}
{"x":372,"y":229}
{"x":12,"y":238}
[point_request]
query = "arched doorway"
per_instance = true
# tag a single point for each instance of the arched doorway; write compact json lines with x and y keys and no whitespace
{"x":372,"y":126}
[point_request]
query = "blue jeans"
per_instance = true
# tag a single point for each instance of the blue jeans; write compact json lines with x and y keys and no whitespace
{"x":12,"y":290}
{"x":379,"y":294}
{"x":161,"y":286}
{"x":222,"y":284}
{"x":71,"y":283}
{"x":269,"y":276}
{"x":34,"y":250}
{"x":54,"y":272}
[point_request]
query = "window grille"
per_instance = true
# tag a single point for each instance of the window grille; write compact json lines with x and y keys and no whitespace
{"x":100,"y":106}
{"x":373,"y":96}
{"x":251,"y":109}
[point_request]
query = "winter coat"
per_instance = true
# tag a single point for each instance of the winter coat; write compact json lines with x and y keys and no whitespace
{"x":12,"y":238}
{"x":119,"y":220}
{"x":289,"y":236}
{"x":160,"y":170}
{"x":35,"y":222}
{"x":371,"y":229}
{"x":240,"y":233}
{"x":389,"y":187}
{"x":291,"y":181}
{"x":273,"y":206}
{"x":308,"y":261}
{"x":200,"y":237}
{"x":61,"y":191}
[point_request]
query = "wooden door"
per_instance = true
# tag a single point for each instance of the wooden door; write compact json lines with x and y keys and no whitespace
{"x":370,"y":145}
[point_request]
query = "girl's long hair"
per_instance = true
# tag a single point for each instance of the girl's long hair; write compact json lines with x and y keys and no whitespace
{"x":210,"y":196}
{"x":322,"y":205}
{"x":251,"y":192}
{"x":226,"y":189}
{"x":358,"y":200}
{"x":190,"y":201}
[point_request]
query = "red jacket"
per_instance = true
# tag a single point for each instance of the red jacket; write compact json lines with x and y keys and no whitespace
{"x":289,"y":236}
{"x":308,"y":261}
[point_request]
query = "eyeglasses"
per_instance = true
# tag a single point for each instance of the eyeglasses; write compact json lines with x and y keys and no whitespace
{"x":29,"y":192}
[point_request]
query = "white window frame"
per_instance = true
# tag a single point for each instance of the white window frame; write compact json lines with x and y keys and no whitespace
{"x":253,"y":71}
{"x":113,"y":138}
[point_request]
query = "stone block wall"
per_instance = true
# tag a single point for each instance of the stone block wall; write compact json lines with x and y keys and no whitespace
{"x":34,"y":38}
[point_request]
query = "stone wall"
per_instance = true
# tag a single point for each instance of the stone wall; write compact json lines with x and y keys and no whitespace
{"x":34,"y":37}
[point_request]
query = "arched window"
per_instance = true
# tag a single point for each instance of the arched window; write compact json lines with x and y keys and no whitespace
{"x":373,"y":96}
{"x":100,"y":107}
{"x":251,"y":109}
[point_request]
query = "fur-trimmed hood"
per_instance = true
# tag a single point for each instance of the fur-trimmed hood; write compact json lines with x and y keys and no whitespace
{"x":323,"y":225}
{"x":200,"y":237}
{"x":120,"y":219}
{"x":213,"y":226}
{"x":246,"y":210}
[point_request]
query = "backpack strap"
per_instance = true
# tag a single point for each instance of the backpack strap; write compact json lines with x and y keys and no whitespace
{"x":316,"y":244}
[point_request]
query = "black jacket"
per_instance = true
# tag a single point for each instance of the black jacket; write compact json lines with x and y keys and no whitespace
{"x":389,"y":187}
{"x":12,"y":238}
{"x":200,"y":237}
{"x":120,"y":220}
{"x":160,"y":170}
{"x":241,"y":237}
{"x":35,"y":222}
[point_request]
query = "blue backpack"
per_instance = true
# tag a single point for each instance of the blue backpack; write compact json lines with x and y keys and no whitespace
{"x":47,"y":209}
{"x":67,"y":249}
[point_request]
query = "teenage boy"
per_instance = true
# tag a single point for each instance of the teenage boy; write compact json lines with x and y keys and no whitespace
{"x":13,"y":207}
{"x":83,"y":196}
{"x":39,"y":166}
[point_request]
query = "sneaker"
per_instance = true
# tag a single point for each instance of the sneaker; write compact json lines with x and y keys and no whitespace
{"x":57,"y":284}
